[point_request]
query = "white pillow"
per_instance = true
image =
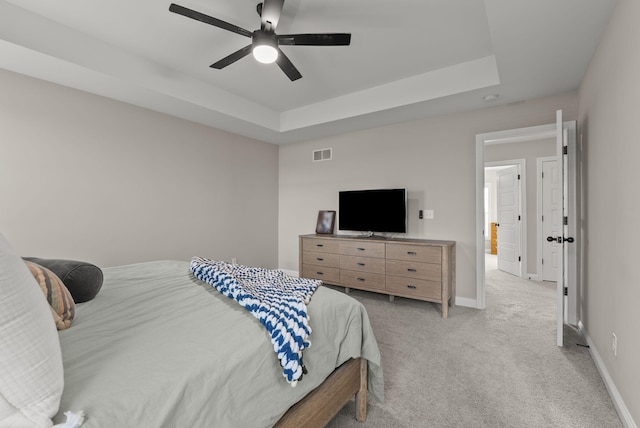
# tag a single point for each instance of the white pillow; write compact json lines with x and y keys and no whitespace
{"x":31,"y":375}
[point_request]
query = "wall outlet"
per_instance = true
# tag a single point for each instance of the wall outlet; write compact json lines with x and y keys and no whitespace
{"x":614,"y":344}
{"x":428,"y":214}
{"x":234,"y":261}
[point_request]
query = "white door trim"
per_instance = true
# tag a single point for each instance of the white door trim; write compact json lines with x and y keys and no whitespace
{"x":541,"y":238}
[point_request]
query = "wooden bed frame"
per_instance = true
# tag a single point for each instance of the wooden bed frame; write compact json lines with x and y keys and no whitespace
{"x":324,"y":402}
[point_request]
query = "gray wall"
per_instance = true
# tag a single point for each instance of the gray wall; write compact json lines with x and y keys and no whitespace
{"x":86,"y":177}
{"x":530,"y":151}
{"x":433,"y":158}
{"x":609,"y":101}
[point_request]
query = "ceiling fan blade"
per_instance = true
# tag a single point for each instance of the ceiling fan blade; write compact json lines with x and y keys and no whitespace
{"x":270,"y":15}
{"x":287,"y":66}
{"x":181,"y":10}
{"x":329,"y":39}
{"x":230,"y":59}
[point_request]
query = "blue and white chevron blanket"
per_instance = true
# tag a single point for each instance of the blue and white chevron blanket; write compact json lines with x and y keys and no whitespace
{"x":278,"y":300}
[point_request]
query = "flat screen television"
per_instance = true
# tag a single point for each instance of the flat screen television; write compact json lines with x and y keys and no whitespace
{"x":375,"y":210}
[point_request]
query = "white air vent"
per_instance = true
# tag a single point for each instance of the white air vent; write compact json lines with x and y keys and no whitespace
{"x":321,"y":155}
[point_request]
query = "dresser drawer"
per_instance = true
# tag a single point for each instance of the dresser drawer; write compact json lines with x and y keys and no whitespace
{"x":426,"y":271}
{"x":419,"y":288}
{"x":368,"y":264}
{"x":326,"y":274}
{"x":320,"y":259}
{"x":363,"y":248}
{"x":320,"y":245}
{"x":363,"y":280}
{"x":418,"y":253}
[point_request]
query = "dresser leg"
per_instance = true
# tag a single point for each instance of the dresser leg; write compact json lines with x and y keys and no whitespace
{"x":347,"y":290}
{"x":391,"y":298}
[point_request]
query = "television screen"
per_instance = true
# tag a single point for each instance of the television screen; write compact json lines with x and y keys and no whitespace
{"x":377,"y":210}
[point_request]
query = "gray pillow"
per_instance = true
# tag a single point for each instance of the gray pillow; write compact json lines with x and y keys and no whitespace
{"x":82,"y":279}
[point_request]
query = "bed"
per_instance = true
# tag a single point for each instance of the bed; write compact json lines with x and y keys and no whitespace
{"x":157,"y":347}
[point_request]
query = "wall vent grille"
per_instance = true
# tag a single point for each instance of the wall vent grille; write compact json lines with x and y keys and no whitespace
{"x":321,"y":155}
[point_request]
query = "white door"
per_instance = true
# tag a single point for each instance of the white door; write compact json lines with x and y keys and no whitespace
{"x":567,"y":218}
{"x":550,"y":225}
{"x":508,"y":205}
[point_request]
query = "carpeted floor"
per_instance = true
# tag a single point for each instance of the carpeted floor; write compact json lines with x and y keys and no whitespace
{"x":499,"y":367}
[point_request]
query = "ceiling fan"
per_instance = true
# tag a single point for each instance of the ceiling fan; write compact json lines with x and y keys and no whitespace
{"x":265,"y":42}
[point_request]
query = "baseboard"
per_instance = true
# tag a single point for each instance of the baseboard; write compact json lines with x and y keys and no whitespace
{"x":618,"y":402}
{"x":531,"y":276}
{"x":460,"y":301}
{"x":466,"y":302}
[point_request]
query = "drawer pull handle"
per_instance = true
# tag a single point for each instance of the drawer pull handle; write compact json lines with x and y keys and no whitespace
{"x":319,"y":259}
{"x":360,"y":264}
{"x":320,"y":273}
{"x":361,"y":279}
{"x":413,"y":287}
{"x":411,"y":253}
{"x":411,"y":270}
{"x":319,"y":245}
{"x":360,"y":249}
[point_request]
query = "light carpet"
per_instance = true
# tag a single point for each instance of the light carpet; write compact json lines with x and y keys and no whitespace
{"x":498,"y":367}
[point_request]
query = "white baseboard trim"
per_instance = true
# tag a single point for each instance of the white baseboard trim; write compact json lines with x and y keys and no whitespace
{"x":531,"y":276}
{"x":466,"y":302}
{"x":618,"y":402}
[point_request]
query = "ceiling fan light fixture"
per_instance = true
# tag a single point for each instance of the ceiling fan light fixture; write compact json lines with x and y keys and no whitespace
{"x":265,"y":54}
{"x":265,"y":48}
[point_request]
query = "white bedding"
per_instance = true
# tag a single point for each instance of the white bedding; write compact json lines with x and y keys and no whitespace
{"x":159,"y":348}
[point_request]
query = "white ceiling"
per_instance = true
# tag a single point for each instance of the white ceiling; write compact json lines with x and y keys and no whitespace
{"x":407,"y":59}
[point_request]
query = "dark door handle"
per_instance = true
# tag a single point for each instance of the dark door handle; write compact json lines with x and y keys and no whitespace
{"x":560,"y":239}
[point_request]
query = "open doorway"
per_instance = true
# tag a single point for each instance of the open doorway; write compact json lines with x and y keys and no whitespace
{"x":525,"y":146}
{"x":505,"y":217}
{"x":565,"y":137}
{"x":518,"y":215}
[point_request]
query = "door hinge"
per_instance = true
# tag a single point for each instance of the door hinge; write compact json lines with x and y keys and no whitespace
{"x":566,"y":291}
{"x":518,"y":218}
{"x":519,"y":258}
{"x":542,"y":261}
{"x":518,"y":176}
{"x":565,"y":150}
{"x":565,"y":220}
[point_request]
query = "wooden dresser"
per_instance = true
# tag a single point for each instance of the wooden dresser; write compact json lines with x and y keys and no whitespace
{"x":413,"y":268}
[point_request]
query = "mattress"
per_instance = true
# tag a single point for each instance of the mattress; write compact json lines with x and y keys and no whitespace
{"x":159,"y":348}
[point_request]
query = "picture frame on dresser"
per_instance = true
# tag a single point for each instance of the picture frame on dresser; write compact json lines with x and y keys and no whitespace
{"x":326,"y":222}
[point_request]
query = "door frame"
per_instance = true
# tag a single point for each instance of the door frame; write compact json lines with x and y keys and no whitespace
{"x":499,"y":137}
{"x":522,"y":206}
{"x":541,"y":237}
